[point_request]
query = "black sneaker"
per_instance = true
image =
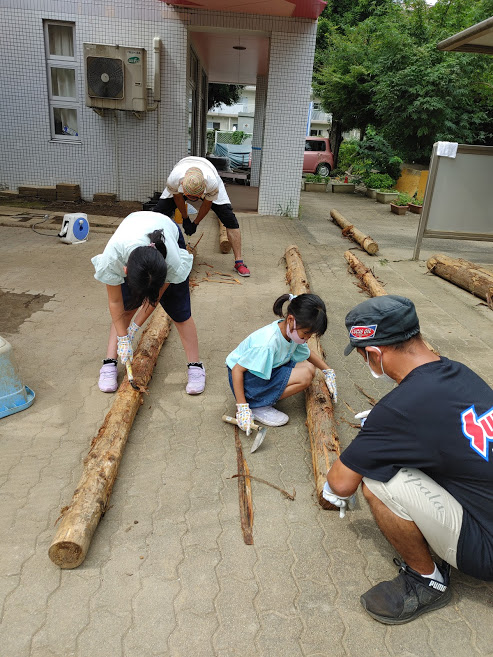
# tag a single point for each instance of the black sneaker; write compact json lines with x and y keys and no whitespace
{"x":407,"y":596}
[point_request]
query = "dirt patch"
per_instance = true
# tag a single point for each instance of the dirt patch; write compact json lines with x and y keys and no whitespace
{"x":118,"y":209}
{"x":16,"y":308}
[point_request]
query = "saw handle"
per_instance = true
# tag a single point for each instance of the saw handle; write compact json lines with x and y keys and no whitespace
{"x":233,"y":420}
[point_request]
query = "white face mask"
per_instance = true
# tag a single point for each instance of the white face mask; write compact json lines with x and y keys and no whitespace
{"x":383,"y":375}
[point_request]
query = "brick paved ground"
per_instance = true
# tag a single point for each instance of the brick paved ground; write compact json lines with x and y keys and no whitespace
{"x":167,"y":573}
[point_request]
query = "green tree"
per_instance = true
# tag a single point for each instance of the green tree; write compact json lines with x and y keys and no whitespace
{"x":377,"y":64}
{"x":227,"y":94}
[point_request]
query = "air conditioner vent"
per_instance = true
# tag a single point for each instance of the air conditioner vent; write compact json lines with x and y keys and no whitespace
{"x":115,"y":77}
{"x":105,"y":77}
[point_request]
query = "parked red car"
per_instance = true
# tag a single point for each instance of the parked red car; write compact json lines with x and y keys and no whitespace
{"x":318,"y":156}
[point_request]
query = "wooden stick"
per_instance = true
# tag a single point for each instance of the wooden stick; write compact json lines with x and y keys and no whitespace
{"x":263,"y":481}
{"x":365,"y":241}
{"x":244,"y":492}
{"x":365,"y":275}
{"x":91,"y":497}
{"x":224,"y":243}
{"x":467,"y":275}
{"x":319,"y":411}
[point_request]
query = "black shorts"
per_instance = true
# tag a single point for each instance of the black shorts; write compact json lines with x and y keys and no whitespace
{"x":224,"y":212}
{"x":176,"y":297}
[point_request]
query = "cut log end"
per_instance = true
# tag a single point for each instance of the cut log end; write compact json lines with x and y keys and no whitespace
{"x":66,"y":554}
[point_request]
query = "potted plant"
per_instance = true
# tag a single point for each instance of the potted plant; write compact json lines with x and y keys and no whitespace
{"x":340,"y":186}
{"x":376,"y":181}
{"x":416,"y":205}
{"x":386,"y":195}
{"x":400,"y":204}
{"x":315,"y":183}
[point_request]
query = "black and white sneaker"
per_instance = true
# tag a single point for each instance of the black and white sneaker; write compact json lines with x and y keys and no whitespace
{"x":407,"y":596}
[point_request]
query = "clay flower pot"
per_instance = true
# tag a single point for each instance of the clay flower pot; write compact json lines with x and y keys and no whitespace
{"x":415,"y":209}
{"x":398,"y":209}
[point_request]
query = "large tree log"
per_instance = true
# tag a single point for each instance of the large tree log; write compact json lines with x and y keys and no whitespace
{"x":365,"y":275}
{"x":371,"y":283}
{"x":224,"y":243}
{"x":319,"y":411}
{"x":348,"y":230}
{"x":467,"y":275}
{"x":90,"y":500}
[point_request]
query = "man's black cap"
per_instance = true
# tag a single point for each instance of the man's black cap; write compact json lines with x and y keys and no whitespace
{"x":381,"y":320}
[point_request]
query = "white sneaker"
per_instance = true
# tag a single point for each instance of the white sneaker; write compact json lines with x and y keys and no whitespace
{"x":270,"y":416}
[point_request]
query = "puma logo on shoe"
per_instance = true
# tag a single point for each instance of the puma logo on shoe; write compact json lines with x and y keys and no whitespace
{"x":437,"y":585}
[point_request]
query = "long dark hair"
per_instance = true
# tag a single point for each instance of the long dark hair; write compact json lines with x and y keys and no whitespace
{"x":307,"y":309}
{"x":146,"y":271}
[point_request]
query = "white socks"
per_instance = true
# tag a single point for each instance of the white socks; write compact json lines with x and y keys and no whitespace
{"x":436,"y":575}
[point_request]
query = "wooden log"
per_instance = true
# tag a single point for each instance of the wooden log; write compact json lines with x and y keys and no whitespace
{"x":320,"y":421}
{"x":372,"y":285}
{"x":244,"y":492}
{"x":465,"y":274}
{"x":348,"y":230}
{"x":224,"y":243}
{"x":365,"y":275}
{"x":90,"y":500}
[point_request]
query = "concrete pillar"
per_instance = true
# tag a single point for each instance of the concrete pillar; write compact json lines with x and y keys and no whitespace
{"x":258,"y":129}
{"x":288,"y":98}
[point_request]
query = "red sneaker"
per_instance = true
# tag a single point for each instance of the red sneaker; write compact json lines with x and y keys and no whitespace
{"x":241,"y":268}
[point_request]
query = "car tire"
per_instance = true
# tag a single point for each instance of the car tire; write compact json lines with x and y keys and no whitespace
{"x":323,"y":170}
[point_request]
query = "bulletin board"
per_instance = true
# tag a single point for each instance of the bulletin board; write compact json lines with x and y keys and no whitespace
{"x":458,"y":202}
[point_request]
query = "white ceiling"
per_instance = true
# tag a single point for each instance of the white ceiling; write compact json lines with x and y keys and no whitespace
{"x":224,"y":63}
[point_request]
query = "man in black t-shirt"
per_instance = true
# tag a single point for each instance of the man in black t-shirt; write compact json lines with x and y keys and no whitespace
{"x":423,"y":455}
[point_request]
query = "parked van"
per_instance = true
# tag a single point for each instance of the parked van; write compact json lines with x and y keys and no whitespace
{"x":318,"y":156}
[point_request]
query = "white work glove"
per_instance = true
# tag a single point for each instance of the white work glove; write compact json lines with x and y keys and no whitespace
{"x":362,"y":416}
{"x":124,"y":349}
{"x":132,"y":330}
{"x":244,"y":417}
{"x":330,"y":380}
{"x":342,"y":502}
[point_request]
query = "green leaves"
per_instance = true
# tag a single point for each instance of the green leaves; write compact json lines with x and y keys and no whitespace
{"x":377,"y":64}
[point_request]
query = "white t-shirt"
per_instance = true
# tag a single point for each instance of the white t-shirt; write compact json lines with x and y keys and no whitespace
{"x":130,"y":234}
{"x":215,"y":190}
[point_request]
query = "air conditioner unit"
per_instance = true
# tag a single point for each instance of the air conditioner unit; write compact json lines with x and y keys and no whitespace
{"x":115,"y":77}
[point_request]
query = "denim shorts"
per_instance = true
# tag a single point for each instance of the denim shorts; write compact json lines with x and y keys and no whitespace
{"x":262,"y":392}
{"x":176,"y":297}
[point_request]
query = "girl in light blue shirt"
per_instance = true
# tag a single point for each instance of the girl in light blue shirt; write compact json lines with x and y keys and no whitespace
{"x":275,"y":362}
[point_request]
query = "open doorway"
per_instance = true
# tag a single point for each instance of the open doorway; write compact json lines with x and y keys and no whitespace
{"x":233,"y":129}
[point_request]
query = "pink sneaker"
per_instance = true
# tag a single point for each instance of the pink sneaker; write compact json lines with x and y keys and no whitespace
{"x":241,"y":268}
{"x":196,"y":380}
{"x":108,"y":376}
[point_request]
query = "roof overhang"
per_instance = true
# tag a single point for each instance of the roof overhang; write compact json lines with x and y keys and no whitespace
{"x":285,"y":8}
{"x":478,"y":38}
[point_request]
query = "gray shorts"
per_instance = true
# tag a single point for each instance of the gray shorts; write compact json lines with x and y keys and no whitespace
{"x":414,"y":496}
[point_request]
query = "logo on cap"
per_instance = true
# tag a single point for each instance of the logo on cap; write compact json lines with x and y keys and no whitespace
{"x":363,"y":332}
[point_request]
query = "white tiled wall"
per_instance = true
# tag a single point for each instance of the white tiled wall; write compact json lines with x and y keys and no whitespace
{"x":258,"y":129}
{"x":288,"y":97}
{"x":119,"y":152}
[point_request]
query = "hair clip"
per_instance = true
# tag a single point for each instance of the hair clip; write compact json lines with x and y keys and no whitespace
{"x":292,"y":296}
{"x":153,"y":245}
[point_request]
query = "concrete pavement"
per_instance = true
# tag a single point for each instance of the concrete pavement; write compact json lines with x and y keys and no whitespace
{"x":167,"y":573}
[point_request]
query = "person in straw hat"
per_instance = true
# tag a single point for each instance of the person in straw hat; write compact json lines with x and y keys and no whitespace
{"x":194,"y":179}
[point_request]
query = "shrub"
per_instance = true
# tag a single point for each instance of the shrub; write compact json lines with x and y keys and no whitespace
{"x":348,"y":152}
{"x":315,"y":178}
{"x":418,"y":200}
{"x":378,"y":181}
{"x":378,"y":155}
{"x":402,"y":199}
